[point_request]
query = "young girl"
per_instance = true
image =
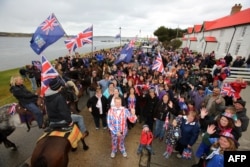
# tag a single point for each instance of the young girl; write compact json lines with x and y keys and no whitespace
{"x":189,"y":132}
{"x":146,"y":140}
{"x":173,"y":134}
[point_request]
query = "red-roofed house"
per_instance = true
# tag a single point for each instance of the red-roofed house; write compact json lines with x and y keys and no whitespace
{"x":228,"y":34}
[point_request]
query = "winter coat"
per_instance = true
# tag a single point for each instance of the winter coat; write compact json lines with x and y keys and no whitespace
{"x":57,"y":107}
{"x":23,"y":95}
{"x":150,"y":106}
{"x":95,"y":110}
{"x":162,"y":109}
{"x":242,"y":116}
{"x":189,"y":132}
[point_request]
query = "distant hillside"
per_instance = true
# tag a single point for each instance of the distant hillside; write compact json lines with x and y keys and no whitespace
{"x":10,"y":34}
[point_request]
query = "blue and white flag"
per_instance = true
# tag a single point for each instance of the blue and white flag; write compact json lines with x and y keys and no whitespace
{"x":126,"y":53}
{"x":46,"y":34}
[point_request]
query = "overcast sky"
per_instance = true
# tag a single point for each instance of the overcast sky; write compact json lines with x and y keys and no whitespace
{"x":107,"y":16}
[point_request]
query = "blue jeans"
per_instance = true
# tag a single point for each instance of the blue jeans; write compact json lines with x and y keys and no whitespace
{"x":80,"y":122}
{"x":148,"y":147}
{"x":32,"y":107}
{"x":159,"y":129}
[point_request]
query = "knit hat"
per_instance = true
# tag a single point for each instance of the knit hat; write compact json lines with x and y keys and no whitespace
{"x":55,"y":83}
{"x":144,"y":126}
{"x":242,"y":102}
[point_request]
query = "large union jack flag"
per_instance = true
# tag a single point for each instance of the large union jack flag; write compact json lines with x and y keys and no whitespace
{"x":158,"y":64}
{"x":227,"y":90}
{"x":48,"y":73}
{"x":85,"y":37}
{"x":47,"y":33}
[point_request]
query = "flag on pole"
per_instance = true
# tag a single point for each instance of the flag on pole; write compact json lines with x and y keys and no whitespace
{"x":118,"y":36}
{"x":126,"y":53}
{"x":85,"y":37}
{"x":47,"y":33}
{"x":48,"y":73}
{"x":158,"y":64}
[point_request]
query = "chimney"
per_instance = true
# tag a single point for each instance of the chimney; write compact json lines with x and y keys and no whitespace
{"x":236,"y":8}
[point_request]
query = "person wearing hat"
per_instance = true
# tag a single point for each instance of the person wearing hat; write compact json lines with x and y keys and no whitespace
{"x":225,"y":142}
{"x":241,"y":113}
{"x":57,"y":108}
{"x":226,"y":122}
{"x":145,"y":140}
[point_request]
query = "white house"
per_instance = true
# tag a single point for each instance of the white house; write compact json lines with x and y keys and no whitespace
{"x":228,"y":34}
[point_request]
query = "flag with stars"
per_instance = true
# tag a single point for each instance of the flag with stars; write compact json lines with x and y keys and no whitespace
{"x":126,"y":53}
{"x":47,"y":33}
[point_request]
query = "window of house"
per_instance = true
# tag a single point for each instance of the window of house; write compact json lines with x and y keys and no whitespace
{"x":237,"y":48}
{"x":243,"y":31}
{"x":226,"y":47}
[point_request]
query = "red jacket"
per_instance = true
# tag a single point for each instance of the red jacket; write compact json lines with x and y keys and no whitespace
{"x":237,"y":86}
{"x":146,"y":137}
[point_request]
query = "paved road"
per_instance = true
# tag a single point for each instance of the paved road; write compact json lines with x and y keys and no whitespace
{"x":99,"y":142}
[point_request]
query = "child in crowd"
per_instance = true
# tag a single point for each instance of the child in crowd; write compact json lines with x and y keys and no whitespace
{"x":173,"y":134}
{"x":146,"y":140}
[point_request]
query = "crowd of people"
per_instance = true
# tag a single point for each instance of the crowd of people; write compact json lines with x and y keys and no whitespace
{"x":175,"y":106}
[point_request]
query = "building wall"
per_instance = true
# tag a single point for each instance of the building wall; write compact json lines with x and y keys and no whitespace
{"x":233,"y":40}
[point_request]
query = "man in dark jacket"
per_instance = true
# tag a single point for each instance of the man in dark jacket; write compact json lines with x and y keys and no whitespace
{"x":57,"y":109}
{"x":26,"y":98}
{"x":241,"y":113}
{"x":148,"y":112}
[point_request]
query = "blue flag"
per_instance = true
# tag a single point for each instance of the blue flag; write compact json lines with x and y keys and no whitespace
{"x":118,"y":36}
{"x":46,"y":34}
{"x":126,"y":53}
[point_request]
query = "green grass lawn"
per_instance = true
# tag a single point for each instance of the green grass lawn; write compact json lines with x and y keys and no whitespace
{"x":5,"y":95}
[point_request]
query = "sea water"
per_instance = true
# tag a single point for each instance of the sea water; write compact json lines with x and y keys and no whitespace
{"x":16,"y":52}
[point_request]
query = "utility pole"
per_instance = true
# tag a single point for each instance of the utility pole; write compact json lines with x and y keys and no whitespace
{"x":120,"y":36}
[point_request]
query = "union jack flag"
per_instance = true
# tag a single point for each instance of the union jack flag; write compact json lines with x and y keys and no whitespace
{"x":187,"y":153}
{"x":158,"y":64}
{"x":47,"y":33}
{"x":48,"y":73}
{"x":85,"y":37}
{"x":227,"y":90}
